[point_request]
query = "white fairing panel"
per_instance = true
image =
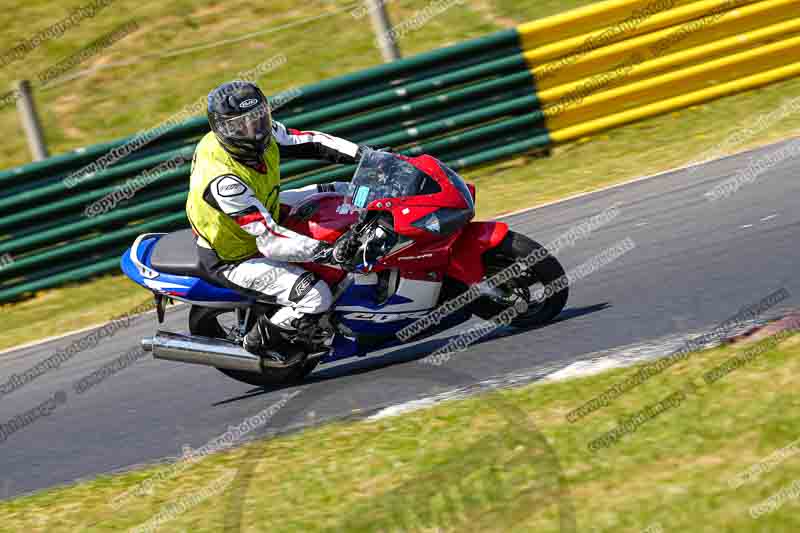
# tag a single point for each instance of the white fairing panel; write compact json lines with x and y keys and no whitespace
{"x":423,"y":295}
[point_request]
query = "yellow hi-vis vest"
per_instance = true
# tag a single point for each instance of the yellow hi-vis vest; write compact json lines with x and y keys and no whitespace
{"x":224,"y":235}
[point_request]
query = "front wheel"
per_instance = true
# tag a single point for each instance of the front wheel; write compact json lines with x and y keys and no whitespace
{"x":218,"y":324}
{"x":542,"y":284}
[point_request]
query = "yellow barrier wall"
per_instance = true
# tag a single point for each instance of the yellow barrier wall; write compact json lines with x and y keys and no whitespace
{"x":689,"y":34}
{"x":618,"y":61}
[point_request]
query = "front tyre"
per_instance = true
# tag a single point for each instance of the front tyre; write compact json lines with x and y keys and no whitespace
{"x":543,"y":285}
{"x":217,"y":323}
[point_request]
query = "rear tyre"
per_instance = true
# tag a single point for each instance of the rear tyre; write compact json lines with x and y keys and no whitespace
{"x":545,"y":300}
{"x":205,"y":321}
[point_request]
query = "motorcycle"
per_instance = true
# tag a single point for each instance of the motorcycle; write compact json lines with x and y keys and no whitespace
{"x":418,"y":251}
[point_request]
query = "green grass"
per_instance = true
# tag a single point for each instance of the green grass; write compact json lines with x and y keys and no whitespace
{"x":490,"y":463}
{"x":69,"y":308}
{"x":120,"y":101}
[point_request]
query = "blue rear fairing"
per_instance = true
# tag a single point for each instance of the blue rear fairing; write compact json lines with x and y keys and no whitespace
{"x":184,"y":287}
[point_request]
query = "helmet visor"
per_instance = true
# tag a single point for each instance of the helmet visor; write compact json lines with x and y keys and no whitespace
{"x":256,"y":124}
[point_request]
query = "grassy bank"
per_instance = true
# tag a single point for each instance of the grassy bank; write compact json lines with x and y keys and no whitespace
{"x":493,"y":463}
{"x":184,"y":48}
{"x":57,"y":311}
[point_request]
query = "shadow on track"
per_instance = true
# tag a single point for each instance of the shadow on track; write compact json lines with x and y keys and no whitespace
{"x":407,"y":354}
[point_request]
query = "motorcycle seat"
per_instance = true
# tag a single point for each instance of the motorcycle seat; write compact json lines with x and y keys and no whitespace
{"x":176,"y":253}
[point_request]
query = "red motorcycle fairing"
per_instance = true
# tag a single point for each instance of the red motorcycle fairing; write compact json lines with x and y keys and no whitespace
{"x":466,"y":264}
{"x":330,"y":275}
{"x":317,"y":218}
{"x":457,"y":255}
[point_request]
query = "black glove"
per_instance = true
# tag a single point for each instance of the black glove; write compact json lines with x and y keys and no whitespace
{"x":341,"y":253}
{"x":345,"y":248}
{"x":324,"y":254}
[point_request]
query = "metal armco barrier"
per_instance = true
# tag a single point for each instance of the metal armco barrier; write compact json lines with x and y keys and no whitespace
{"x":549,"y":81}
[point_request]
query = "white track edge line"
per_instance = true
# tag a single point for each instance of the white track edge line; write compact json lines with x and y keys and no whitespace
{"x":588,"y":365}
{"x":581,"y":369}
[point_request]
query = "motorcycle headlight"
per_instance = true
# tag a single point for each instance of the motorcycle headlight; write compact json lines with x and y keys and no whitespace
{"x":444,"y":221}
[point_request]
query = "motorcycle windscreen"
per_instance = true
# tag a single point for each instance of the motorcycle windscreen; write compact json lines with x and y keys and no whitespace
{"x":383,"y":175}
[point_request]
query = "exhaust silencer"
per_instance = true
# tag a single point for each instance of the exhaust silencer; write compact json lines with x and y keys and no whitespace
{"x":201,"y":351}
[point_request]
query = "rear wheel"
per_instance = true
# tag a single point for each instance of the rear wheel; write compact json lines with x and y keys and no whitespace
{"x":219,"y":324}
{"x":543,"y":285}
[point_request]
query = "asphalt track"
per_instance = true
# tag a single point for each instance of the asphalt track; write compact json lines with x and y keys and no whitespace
{"x":695,"y":264}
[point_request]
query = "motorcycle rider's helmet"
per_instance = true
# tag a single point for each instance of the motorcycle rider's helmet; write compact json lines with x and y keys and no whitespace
{"x":240,"y":117}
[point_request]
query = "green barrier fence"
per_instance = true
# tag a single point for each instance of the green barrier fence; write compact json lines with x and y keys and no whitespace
{"x":469,"y":104}
{"x":453,"y":103}
{"x":321,"y":94}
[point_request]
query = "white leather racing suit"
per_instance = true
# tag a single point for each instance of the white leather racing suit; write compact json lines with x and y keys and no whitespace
{"x":291,"y":286}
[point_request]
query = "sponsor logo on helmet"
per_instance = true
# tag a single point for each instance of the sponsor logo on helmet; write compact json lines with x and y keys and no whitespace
{"x":247,"y":104}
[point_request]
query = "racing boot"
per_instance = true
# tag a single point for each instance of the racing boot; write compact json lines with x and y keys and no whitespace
{"x":314,"y":331}
{"x":262,"y":340}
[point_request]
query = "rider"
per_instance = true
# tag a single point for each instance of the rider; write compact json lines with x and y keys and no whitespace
{"x":234,"y":204}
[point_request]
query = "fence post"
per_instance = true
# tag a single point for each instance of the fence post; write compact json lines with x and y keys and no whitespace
{"x":30,"y":120}
{"x":383,"y":34}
